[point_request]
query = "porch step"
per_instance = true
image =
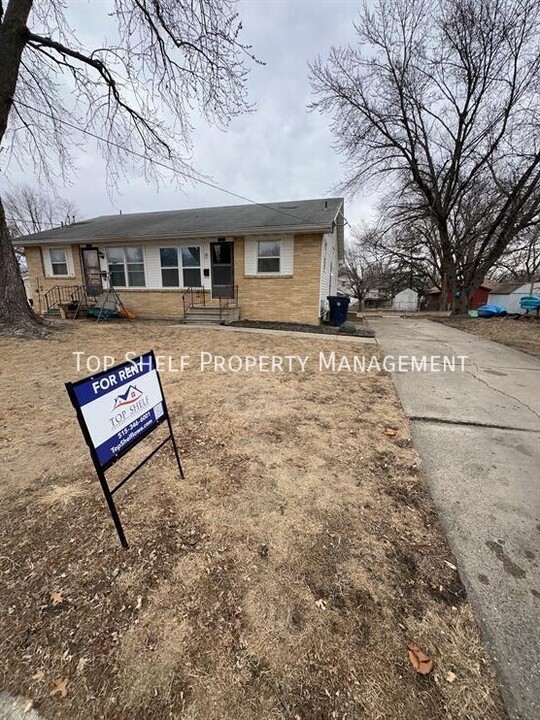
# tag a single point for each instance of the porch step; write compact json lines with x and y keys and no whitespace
{"x":211,"y":315}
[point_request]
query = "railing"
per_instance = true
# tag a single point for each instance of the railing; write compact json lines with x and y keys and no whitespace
{"x":193,"y":296}
{"x":60,"y":294}
{"x":226,"y":303}
{"x":198,"y":297}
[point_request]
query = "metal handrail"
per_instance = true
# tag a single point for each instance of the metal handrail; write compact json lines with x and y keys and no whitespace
{"x":193,"y":296}
{"x":63,"y":293}
{"x":226,"y":303}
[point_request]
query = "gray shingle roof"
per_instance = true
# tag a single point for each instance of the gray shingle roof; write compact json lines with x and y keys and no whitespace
{"x":214,"y":221}
{"x":507,"y":288}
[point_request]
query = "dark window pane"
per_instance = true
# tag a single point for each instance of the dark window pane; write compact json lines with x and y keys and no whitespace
{"x":191,"y":256}
{"x":59,"y":268}
{"x":169,"y":278}
{"x":268,"y":265}
{"x":169,"y":257}
{"x":192,"y":278}
{"x":118,"y":276}
{"x":136,"y":275}
{"x":222,"y":275}
{"x":269,"y":248}
{"x":222,"y":253}
{"x":134,"y":254}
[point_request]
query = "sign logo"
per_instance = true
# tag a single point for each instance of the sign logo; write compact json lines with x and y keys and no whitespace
{"x":131,"y":395}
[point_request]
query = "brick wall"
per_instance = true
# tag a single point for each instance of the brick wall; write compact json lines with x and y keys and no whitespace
{"x":159,"y":304}
{"x":39,"y":284}
{"x":282,"y":299}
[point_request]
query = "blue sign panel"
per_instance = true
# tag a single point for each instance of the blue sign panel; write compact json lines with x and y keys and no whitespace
{"x":118,"y":407}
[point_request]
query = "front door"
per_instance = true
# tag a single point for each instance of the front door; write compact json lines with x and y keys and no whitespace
{"x":91,"y":271}
{"x":222,"y":264}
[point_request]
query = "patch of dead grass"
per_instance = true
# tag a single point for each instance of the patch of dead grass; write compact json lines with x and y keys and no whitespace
{"x":283,"y":578}
{"x":522,"y":334}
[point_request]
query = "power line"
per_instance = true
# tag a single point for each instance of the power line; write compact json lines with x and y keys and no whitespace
{"x":163,"y":165}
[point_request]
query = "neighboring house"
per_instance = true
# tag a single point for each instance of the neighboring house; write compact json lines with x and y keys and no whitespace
{"x":478,"y":298}
{"x":406,"y":301}
{"x":274,"y":262}
{"x":509,"y":294}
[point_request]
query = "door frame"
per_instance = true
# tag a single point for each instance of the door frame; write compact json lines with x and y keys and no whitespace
{"x":85,"y":282}
{"x":221,"y":242}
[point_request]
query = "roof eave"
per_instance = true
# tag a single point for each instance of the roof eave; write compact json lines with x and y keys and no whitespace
{"x":220,"y":232}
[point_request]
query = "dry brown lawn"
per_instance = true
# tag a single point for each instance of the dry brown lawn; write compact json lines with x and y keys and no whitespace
{"x":520,"y":334}
{"x":282,"y":579}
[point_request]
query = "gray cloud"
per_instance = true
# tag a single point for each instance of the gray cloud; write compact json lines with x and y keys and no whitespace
{"x":279,"y":152}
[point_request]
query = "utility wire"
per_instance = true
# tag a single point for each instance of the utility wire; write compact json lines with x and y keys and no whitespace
{"x":162,"y":164}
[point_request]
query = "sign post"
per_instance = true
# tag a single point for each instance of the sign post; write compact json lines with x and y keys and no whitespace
{"x":116,"y":409}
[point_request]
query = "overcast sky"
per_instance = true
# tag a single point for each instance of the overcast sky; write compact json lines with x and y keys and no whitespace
{"x":279,"y":152}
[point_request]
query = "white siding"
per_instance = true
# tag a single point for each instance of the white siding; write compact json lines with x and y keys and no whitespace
{"x":510,"y":302}
{"x":329,"y":269}
{"x":152,"y":261}
{"x":287,"y":254}
{"x":47,"y":265}
{"x":406,"y":300}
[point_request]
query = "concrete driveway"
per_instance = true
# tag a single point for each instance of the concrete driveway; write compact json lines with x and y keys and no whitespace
{"x":478,"y":433}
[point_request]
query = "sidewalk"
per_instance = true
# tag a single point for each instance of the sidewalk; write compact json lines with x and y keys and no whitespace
{"x":478,"y":433}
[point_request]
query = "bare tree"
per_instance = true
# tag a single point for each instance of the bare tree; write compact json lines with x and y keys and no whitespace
{"x":521,"y":260}
{"x":441,"y":98}
{"x":29,"y":210}
{"x":137,"y":91}
{"x":372,"y":263}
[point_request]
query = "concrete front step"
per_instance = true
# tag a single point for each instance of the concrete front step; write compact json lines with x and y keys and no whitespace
{"x":211,"y":315}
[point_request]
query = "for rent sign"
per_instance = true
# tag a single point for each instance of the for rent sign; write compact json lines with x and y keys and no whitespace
{"x":120,"y":406}
{"x":116,"y":409}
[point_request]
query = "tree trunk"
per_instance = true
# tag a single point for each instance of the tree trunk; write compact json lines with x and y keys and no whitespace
{"x":15,"y":313}
{"x":461,"y":303}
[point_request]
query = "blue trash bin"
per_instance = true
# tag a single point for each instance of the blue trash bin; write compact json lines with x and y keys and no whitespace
{"x":339,"y":307}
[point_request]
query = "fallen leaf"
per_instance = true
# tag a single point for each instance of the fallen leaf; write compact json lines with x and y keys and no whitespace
{"x":56,"y":597}
{"x":450,"y":565}
{"x":390,"y":431}
{"x":450,"y":676}
{"x":60,"y":687}
{"x":28,"y":704}
{"x":139,"y":603}
{"x":421,"y":662}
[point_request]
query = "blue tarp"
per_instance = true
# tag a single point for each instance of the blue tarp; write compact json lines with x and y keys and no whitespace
{"x":487,"y":311}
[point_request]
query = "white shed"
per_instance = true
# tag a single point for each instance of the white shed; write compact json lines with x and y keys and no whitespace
{"x":508,"y":295}
{"x":406,"y":301}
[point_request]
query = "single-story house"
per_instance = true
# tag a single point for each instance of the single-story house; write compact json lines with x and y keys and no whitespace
{"x":274,"y":261}
{"x":508,"y":294}
{"x":478,"y":298}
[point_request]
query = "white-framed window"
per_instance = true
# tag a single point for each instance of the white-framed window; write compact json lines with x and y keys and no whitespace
{"x":59,"y":261}
{"x":269,"y":256}
{"x":180,"y":267}
{"x":126,"y":266}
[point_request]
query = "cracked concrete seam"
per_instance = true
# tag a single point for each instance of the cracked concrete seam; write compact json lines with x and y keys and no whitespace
{"x":501,"y":392}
